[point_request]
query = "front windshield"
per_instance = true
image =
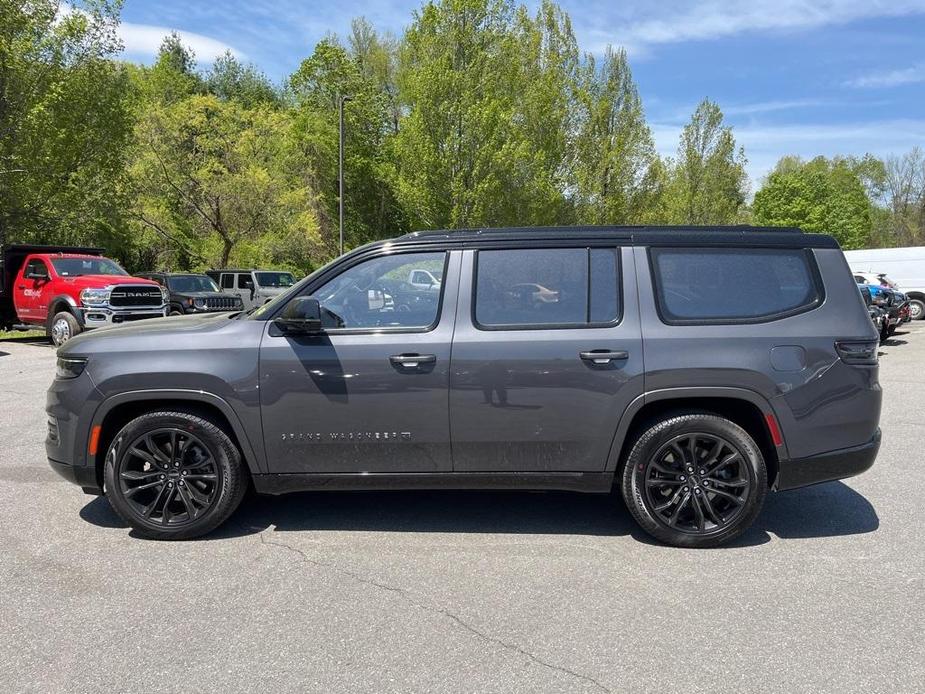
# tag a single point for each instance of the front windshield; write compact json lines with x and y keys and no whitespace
{"x":191,"y":283}
{"x":275,"y":279}
{"x":77,"y":267}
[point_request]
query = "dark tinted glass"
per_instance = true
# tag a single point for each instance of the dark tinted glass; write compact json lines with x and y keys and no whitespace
{"x":604,"y":302}
{"x":532,"y":287}
{"x":732,"y":284}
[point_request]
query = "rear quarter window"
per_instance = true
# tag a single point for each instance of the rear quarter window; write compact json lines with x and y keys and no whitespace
{"x":733,"y":285}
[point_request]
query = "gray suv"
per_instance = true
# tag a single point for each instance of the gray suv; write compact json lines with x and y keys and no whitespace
{"x":693,"y":368}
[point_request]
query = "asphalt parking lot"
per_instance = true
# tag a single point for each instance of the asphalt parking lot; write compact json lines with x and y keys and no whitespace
{"x":463,"y":592}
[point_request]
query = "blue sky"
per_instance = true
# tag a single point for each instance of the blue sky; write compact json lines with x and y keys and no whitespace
{"x":802,"y":77}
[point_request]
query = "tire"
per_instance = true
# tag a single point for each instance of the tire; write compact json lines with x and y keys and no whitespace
{"x":884,"y":332}
{"x":917,"y":307}
{"x":673,"y":492}
{"x":180,"y":498}
{"x":62,"y":327}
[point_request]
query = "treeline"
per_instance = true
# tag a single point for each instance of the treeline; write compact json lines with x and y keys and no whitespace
{"x":481,"y":113}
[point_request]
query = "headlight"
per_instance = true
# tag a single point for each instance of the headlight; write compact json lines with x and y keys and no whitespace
{"x":199,"y":303}
{"x":165,"y":295}
{"x":94,"y":297}
{"x":70,"y":367}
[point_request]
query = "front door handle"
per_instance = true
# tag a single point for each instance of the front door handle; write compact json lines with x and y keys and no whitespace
{"x":604,"y":356}
{"x":412,"y":361}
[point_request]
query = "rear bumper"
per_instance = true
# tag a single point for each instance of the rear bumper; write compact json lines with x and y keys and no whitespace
{"x":834,"y":465}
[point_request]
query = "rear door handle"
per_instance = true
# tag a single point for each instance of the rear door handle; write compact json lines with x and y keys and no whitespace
{"x":604,"y":356}
{"x":411,"y":361}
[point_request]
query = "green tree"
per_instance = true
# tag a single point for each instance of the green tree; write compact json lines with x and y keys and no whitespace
{"x":821,"y":195}
{"x":616,"y":170}
{"x":473,"y":79}
{"x":228,"y":79}
{"x":64,"y":123}
{"x":370,"y":208}
{"x":707,"y":184}
{"x":212,"y":186}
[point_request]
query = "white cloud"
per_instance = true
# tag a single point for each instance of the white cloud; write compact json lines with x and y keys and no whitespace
{"x":673,"y":21}
{"x":890,"y":78}
{"x":145,"y":40}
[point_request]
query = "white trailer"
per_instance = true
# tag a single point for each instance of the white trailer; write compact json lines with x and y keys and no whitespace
{"x":904,"y":266}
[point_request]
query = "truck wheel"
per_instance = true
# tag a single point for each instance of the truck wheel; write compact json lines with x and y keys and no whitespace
{"x":695,"y":480}
{"x":62,"y":327}
{"x":174,"y":475}
{"x":917,"y":309}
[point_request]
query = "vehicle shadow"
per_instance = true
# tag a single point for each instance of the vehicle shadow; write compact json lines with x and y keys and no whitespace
{"x":827,"y":510}
{"x":893,"y":342}
{"x":30,"y":340}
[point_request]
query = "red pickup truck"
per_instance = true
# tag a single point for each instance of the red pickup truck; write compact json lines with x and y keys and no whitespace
{"x":67,"y":290}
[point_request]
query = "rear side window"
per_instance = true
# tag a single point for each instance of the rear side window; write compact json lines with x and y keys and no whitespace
{"x":227,"y":281}
{"x":547,"y":288}
{"x":732,"y":285}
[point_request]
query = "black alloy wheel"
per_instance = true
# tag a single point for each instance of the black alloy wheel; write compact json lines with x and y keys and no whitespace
{"x":697,"y":483}
{"x":168,"y":476}
{"x":174,"y":475}
{"x":694,"y":480}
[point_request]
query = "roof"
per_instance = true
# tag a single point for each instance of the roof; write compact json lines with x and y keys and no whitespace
{"x":642,"y":235}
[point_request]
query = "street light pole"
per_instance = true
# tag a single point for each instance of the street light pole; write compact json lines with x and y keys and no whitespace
{"x":340,"y":168}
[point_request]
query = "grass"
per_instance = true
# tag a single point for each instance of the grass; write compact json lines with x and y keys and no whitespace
{"x":21,"y":336}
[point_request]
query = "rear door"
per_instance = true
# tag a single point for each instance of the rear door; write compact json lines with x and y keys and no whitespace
{"x":546,"y":357}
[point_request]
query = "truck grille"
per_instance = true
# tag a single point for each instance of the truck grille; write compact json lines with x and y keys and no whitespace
{"x":129,"y":296}
{"x":222,"y":304}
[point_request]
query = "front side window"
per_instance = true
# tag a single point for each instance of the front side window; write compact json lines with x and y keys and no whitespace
{"x":377,"y":294}
{"x":275,"y":279}
{"x":36,"y":267}
{"x":733,"y":284}
{"x":191,"y":283}
{"x":536,"y":288}
{"x":77,"y":267}
{"x":245,"y":281}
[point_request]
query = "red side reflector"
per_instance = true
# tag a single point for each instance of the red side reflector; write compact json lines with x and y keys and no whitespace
{"x":774,"y":429}
{"x":94,"y":439}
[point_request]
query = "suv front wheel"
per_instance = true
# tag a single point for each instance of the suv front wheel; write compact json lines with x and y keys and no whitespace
{"x":695,"y":480}
{"x":174,"y":475}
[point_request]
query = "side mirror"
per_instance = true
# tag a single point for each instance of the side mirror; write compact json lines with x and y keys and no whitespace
{"x":302,"y":316}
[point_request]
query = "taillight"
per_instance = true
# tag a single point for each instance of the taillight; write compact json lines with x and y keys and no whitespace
{"x":864,"y":353}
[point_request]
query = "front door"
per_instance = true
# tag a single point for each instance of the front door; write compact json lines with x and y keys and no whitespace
{"x":546,"y":357}
{"x":371,"y":393}
{"x":33,"y":291}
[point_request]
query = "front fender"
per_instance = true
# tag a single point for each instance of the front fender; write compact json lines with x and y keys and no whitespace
{"x":256,"y":462}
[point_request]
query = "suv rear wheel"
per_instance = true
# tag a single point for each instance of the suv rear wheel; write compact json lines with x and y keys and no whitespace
{"x":174,"y":475}
{"x":695,"y":480}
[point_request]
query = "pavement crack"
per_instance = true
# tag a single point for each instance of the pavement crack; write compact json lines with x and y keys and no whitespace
{"x":404,"y":595}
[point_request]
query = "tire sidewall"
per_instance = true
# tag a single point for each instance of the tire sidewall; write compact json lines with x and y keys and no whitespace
{"x":228,"y":463}
{"x":656,"y":436}
{"x":918,"y":303}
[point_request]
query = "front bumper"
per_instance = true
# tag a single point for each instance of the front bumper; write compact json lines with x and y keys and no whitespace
{"x":101,"y":317}
{"x":825,"y":467}
{"x":83,"y":476}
